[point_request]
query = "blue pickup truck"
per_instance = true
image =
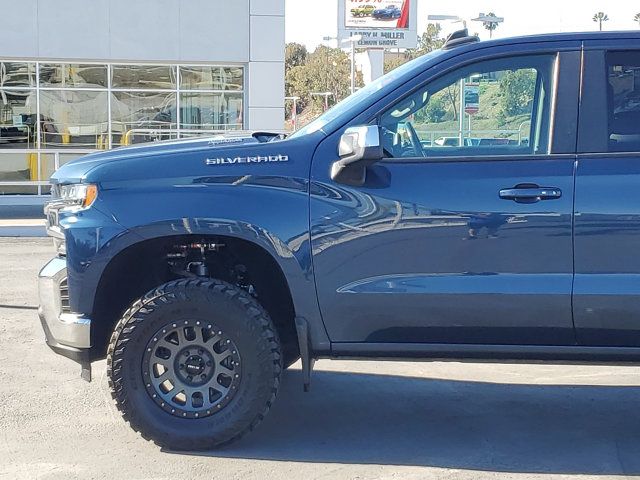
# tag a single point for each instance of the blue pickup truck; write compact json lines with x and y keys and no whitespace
{"x":201,"y":269}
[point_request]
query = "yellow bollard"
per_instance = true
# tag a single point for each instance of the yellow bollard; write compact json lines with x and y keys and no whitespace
{"x":32,"y":163}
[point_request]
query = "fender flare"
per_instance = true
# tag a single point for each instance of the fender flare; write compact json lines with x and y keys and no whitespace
{"x":293,"y":258}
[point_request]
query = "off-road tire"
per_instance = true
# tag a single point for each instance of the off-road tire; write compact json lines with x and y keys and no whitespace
{"x":231,"y":309}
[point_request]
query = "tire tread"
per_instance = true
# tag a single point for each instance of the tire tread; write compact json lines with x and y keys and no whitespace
{"x":255,"y":316}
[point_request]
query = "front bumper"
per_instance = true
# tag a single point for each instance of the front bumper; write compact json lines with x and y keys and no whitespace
{"x":67,"y":333}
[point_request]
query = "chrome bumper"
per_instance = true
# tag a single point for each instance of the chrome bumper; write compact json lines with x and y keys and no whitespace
{"x":64,"y":330}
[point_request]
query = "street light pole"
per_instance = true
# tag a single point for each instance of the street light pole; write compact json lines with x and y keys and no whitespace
{"x":353,"y":40}
{"x":325,"y":95}
{"x":294,"y":111}
{"x":353,"y":66}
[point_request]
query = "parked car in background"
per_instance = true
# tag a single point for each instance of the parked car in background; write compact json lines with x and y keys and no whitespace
{"x":447,"y":142}
{"x":389,"y":13}
{"x":362,"y":11}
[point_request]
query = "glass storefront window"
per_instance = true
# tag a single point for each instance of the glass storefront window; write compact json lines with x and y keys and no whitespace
{"x":17,"y":167}
{"x":69,"y":75}
{"x":210,"y":111}
{"x":17,"y":74}
{"x":211,"y":78}
{"x":53,"y":111}
{"x":18,"y":126}
{"x":150,"y":77}
{"x":74,"y":118}
{"x":142,"y":116}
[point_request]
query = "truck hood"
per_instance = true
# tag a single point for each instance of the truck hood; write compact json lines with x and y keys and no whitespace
{"x":77,"y":170}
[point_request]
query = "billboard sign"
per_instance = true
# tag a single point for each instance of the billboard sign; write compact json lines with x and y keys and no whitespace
{"x":471,"y":98}
{"x":377,"y":14}
{"x":380,"y":23}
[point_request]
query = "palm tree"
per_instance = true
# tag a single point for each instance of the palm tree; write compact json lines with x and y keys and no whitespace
{"x":636,"y":18}
{"x":600,"y":17}
{"x":489,"y":25}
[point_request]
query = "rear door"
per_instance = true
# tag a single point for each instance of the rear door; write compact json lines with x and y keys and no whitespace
{"x":606,"y":301}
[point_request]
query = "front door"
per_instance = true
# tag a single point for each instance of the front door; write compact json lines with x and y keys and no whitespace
{"x":463,"y":233}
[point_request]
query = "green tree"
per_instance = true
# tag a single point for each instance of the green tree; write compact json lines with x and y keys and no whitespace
{"x":295,"y":54}
{"x":599,"y":18}
{"x":517,"y":89}
{"x":434,"y":111}
{"x":490,"y":25}
{"x":430,"y":40}
{"x":325,"y":70}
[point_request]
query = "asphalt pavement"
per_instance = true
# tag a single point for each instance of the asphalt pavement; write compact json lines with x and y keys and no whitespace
{"x":362,"y":419}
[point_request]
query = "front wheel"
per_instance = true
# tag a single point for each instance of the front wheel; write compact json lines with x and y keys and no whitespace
{"x":194,"y":364}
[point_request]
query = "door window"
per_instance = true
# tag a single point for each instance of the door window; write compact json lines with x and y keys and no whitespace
{"x":623,"y":101}
{"x":496,"y":107}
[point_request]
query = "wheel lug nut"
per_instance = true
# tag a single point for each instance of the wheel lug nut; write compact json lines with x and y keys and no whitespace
{"x":203,"y":376}
{"x":190,"y":378}
{"x":187,"y":353}
{"x":200,"y":352}
{"x":182,"y":366}
{"x":209,"y":364}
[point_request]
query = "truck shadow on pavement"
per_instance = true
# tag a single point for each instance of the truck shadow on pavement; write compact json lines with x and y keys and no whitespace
{"x":359,"y":418}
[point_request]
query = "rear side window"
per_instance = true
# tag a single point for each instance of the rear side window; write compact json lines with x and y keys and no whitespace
{"x":623,"y":101}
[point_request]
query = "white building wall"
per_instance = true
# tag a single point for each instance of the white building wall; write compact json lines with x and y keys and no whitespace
{"x":266,"y":66}
{"x":248,"y":32}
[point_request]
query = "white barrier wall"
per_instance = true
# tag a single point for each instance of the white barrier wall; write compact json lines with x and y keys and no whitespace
{"x":246,"y":32}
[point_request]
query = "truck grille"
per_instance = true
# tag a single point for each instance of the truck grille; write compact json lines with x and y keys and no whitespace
{"x":64,"y":297}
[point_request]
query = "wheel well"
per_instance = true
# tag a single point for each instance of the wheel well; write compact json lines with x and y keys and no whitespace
{"x":145,"y":265}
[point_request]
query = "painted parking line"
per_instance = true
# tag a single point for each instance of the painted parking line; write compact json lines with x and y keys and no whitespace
{"x":23,"y":231}
{"x":22,"y":222}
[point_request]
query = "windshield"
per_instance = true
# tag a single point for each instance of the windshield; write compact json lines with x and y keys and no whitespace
{"x":342,"y":107}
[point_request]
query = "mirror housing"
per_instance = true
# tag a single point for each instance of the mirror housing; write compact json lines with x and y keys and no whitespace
{"x":359,"y":148}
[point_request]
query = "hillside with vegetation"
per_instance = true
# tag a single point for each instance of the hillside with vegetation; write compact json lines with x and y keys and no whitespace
{"x":504,"y":107}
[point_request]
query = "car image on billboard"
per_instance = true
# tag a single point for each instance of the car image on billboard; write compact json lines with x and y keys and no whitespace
{"x":377,"y":14}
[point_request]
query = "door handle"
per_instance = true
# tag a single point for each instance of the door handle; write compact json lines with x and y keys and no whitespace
{"x":530,"y":193}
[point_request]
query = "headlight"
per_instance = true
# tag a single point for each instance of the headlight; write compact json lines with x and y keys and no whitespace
{"x":79,"y":195}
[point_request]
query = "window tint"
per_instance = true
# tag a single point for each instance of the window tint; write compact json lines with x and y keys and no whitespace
{"x":497,"y":107}
{"x":150,"y":77}
{"x":212,"y":111}
{"x":138,"y":117}
{"x":17,"y":74}
{"x":73,"y":75}
{"x":623,"y":101}
{"x":211,"y":78}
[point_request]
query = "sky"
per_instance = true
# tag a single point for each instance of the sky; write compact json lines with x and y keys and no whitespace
{"x":307,"y":21}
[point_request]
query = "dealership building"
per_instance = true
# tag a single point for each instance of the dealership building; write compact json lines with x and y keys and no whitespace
{"x":78,"y":76}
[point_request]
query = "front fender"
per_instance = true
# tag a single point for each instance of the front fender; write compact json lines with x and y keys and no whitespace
{"x":269,"y":212}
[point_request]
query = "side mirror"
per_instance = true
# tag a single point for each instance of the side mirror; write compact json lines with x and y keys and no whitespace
{"x":359,"y":148}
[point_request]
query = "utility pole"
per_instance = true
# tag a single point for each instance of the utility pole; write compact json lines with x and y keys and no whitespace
{"x":353,"y":40}
{"x":294,"y":111}
{"x":326,"y":96}
{"x":490,"y":21}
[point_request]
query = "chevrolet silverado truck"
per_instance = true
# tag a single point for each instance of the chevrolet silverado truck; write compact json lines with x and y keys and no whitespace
{"x":201,"y":269}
